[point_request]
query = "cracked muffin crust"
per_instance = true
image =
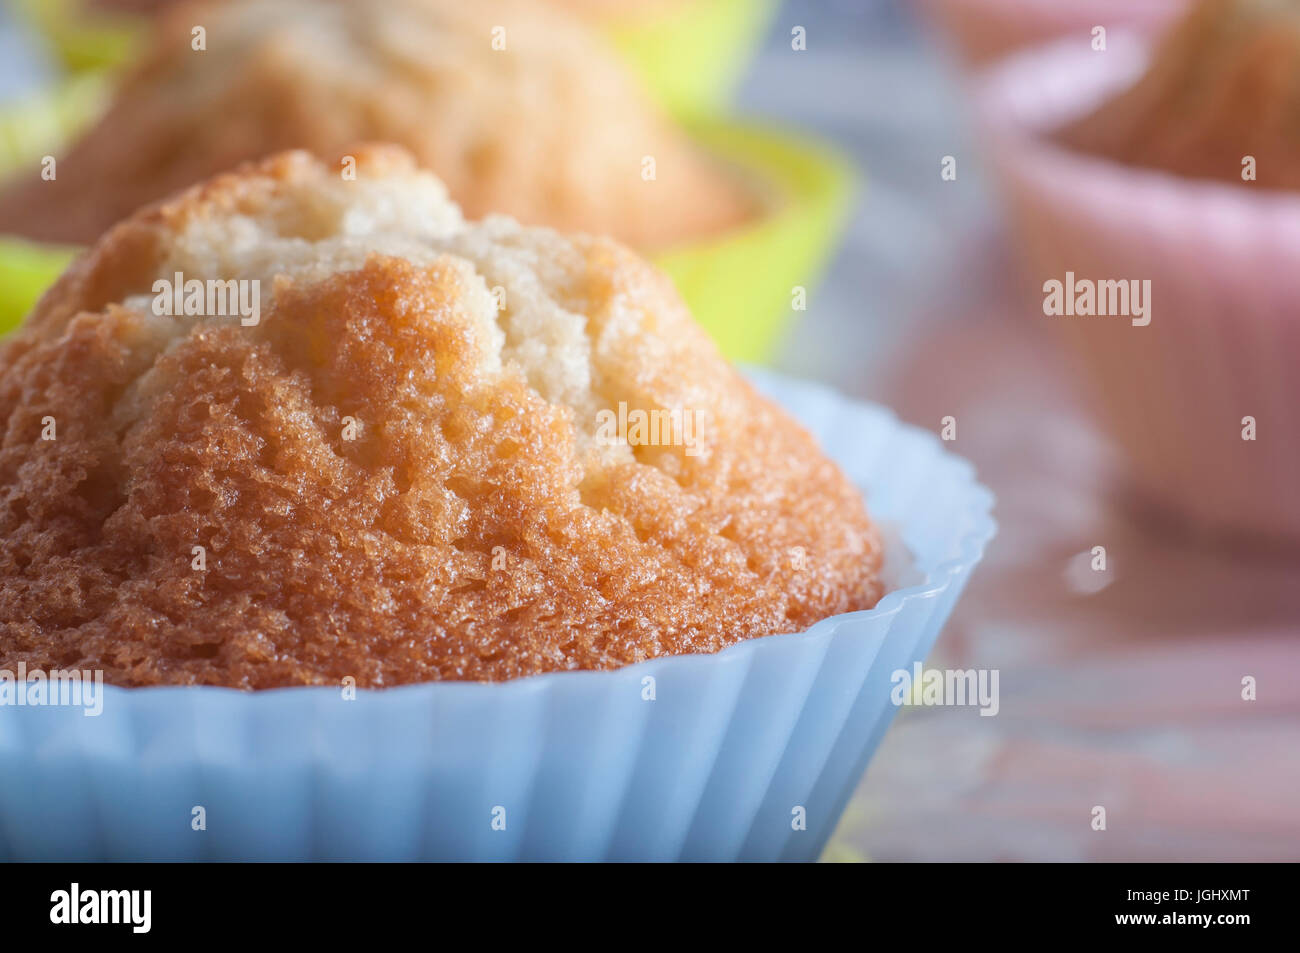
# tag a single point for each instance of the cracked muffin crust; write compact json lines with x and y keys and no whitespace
{"x":474,"y":526}
{"x":550,"y":128}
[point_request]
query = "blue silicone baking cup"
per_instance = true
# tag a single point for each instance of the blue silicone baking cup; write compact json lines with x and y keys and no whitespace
{"x":747,"y":754}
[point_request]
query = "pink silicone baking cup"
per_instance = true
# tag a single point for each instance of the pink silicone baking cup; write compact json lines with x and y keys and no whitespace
{"x":1224,"y":263}
{"x":983,"y":30}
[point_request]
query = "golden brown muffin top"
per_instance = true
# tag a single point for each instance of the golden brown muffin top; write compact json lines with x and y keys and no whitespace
{"x":550,"y":128}
{"x":477,"y":525}
{"x":1223,"y":85}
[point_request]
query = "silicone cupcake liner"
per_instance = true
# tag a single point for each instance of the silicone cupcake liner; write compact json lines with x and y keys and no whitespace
{"x":983,"y":30}
{"x":30,"y":129}
{"x":40,"y":124}
{"x":689,"y":55}
{"x":738,"y":284}
{"x":1224,"y":265}
{"x":26,"y":270}
{"x":719,"y":762}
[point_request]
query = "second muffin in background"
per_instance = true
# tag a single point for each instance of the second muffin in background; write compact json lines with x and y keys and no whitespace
{"x":1222,"y":86}
{"x":518,"y":107}
{"x":1198,"y":389}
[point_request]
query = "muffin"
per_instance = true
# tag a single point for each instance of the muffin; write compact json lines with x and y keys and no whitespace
{"x":1127,"y":168}
{"x":689,"y":54}
{"x":413,"y":456}
{"x":1223,"y":85}
{"x":708,"y":757}
{"x":986,"y":30}
{"x":518,"y":107}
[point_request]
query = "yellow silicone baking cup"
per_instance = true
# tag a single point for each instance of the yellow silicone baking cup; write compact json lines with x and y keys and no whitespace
{"x":742,"y":285}
{"x":689,"y":54}
{"x":29,"y":130}
{"x":739,"y":284}
{"x":26,"y":270}
{"x":38,"y":125}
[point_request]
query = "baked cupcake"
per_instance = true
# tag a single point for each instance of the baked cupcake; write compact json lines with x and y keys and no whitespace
{"x":291,"y":429}
{"x":985,"y":30}
{"x":688,"y":53}
{"x":1224,"y":85}
{"x":356,"y":460}
{"x":517,"y":106}
{"x":1173,"y":170}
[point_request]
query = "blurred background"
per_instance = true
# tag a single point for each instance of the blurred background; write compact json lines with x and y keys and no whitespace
{"x":1120,"y":687}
